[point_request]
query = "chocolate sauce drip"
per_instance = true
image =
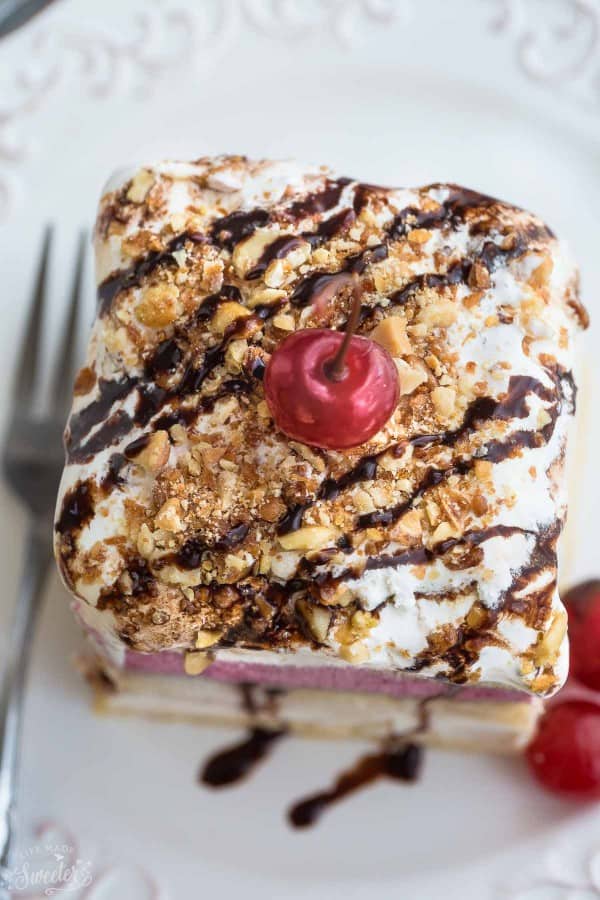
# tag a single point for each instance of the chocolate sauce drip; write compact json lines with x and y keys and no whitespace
{"x":209,"y":305}
{"x":421,"y":555}
{"x":292,"y":519}
{"x":277,"y":249}
{"x":166,"y":358}
{"x":400,"y":763}
{"x":113,"y":429}
{"x":431,"y":479}
{"x":189,"y":556}
{"x":312,"y":285}
{"x":247,"y":697}
{"x":233,"y":537}
{"x":484,"y":409}
{"x":318,"y":202}
{"x":532,"y":606}
{"x":451,"y":212}
{"x":231,"y":229}
{"x":331,"y":227}
{"x":132,"y":449}
{"x":457,"y":273}
{"x":364,"y":470}
{"x":231,"y":765}
{"x":113,"y":477}
{"x":364,"y":192}
{"x":358,"y":263}
{"x":315,"y":283}
{"x":230,"y":388}
{"x":77,"y":508}
{"x":481,"y":410}
{"x":142,"y":579}
{"x":151,"y":398}
{"x":82,"y":422}
{"x":195,"y":376}
{"x":491,"y":255}
{"x":256,"y":368}
{"x":132,"y":276}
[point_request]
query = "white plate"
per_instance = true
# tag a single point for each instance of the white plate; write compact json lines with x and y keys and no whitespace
{"x":504,"y":97}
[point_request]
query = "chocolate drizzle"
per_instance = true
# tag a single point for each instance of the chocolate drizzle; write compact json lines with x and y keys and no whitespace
{"x":364,"y":470}
{"x":315,"y":284}
{"x":150,"y":400}
{"x":514,"y":405}
{"x":417,"y":556}
{"x":277,"y":249}
{"x":113,"y":477}
{"x":77,"y":508}
{"x":190,"y":555}
{"x":231,"y":765}
{"x":402,"y":763}
{"x":233,"y":537}
{"x":82,"y":422}
{"x":480,"y":411}
{"x":231,"y":229}
{"x":135,"y":447}
{"x":166,"y":358}
{"x":400,"y":758}
{"x":457,"y":273}
{"x":331,"y":227}
{"x":451,"y":211}
{"x":319,"y":201}
{"x":132,"y":276}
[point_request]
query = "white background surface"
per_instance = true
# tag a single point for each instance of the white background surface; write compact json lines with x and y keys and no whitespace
{"x":504,"y":97}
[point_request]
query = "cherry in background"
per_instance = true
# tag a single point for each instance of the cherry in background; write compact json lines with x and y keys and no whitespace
{"x":330,"y":389}
{"x":565,"y":753}
{"x":583,"y":607}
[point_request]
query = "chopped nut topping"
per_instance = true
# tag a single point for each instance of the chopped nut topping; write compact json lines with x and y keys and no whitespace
{"x":196,"y":663}
{"x":391,"y":334}
{"x":310,"y":537}
{"x":205,"y":639}
{"x":139,"y":187}
{"x":317,"y":618}
{"x":169,"y":516}
{"x":226,"y":314}
{"x":155,"y":455}
{"x":411,"y":377}
{"x":444,"y":400}
{"x":159,"y":306}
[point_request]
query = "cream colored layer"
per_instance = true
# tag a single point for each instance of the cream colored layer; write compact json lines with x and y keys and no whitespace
{"x":452,"y":724}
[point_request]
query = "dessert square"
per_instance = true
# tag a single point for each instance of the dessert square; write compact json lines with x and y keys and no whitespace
{"x":198,"y":538}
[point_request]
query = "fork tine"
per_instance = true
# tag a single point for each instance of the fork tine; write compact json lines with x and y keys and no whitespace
{"x":30,"y":347}
{"x":67,"y":359}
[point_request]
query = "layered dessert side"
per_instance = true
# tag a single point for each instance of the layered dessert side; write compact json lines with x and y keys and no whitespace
{"x":265,"y":522}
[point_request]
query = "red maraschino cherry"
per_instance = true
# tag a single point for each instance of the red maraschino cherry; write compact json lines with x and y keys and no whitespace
{"x":583,"y":606}
{"x":565,"y":753}
{"x":331,"y":389}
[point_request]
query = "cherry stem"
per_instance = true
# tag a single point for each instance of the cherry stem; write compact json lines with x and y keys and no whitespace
{"x":335,"y":369}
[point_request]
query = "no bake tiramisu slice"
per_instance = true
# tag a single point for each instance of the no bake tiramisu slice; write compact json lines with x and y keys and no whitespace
{"x":225,"y":570}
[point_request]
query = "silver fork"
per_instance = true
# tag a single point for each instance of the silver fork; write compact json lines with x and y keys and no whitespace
{"x":33,"y":458}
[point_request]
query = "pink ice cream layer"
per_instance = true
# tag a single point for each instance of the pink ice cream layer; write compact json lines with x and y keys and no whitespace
{"x":334,"y":678}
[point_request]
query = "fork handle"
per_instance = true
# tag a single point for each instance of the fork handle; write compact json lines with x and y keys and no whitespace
{"x":38,"y":552}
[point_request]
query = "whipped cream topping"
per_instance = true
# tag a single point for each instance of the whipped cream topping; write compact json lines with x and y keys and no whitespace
{"x":186,"y":521}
